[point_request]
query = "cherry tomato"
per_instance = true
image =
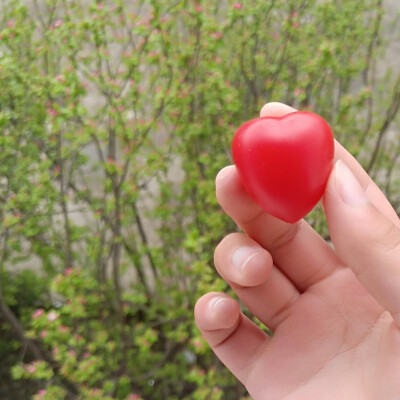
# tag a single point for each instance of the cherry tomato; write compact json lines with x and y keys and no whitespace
{"x":284,"y":162}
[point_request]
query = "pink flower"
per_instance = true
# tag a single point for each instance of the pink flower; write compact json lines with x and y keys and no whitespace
{"x":59,"y":78}
{"x":134,"y":396}
{"x":31,"y":369}
{"x":10,"y":24}
{"x":68,"y":271}
{"x":71,"y":353}
{"x":63,"y":329}
{"x":43,"y":334}
{"x":297,"y":92}
{"x":37,"y":313}
{"x":41,"y":393}
{"x":237,"y":6}
{"x":198,"y":8}
{"x":52,"y":112}
{"x":143,"y":21}
{"x":216,"y":35}
{"x":52,"y":316}
{"x":58,"y":23}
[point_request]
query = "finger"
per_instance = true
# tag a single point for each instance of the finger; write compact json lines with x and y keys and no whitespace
{"x":374,"y":194}
{"x":297,"y":250}
{"x":236,"y":341}
{"x":365,"y":239}
{"x":275,"y":109}
{"x":249,"y":270}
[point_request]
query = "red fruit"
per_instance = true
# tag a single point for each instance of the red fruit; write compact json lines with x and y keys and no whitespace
{"x":284,"y":162}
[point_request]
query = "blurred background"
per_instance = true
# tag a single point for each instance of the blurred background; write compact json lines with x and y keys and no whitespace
{"x":115,"y":117}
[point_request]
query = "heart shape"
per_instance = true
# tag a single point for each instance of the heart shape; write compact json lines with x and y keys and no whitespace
{"x":284,"y":162}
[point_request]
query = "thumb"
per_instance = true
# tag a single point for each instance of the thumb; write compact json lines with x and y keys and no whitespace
{"x":366,"y":240}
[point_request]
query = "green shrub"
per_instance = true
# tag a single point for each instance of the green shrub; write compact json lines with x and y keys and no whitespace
{"x":115,"y":118}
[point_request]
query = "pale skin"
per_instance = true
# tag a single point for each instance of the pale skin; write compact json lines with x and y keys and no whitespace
{"x":335,"y":312}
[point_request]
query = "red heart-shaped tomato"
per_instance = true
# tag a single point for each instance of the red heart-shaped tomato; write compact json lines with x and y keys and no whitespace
{"x":284,"y":163}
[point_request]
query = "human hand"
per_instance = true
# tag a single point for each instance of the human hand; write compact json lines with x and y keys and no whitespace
{"x":335,"y":314}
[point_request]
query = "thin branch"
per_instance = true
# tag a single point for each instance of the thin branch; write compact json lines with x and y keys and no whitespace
{"x":64,"y":206}
{"x":390,"y":115}
{"x":143,"y":236}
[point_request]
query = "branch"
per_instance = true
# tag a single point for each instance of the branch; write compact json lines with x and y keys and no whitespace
{"x":366,"y":72}
{"x":64,"y":206}
{"x":127,"y":246}
{"x":144,"y":239}
{"x":390,"y":115}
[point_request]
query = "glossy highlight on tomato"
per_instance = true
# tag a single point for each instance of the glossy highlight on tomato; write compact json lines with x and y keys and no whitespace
{"x":284,"y":162}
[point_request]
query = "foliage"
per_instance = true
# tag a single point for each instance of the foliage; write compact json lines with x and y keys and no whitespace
{"x":115,"y":118}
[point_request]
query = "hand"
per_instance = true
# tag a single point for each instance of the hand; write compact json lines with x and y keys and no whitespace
{"x":335,"y":314}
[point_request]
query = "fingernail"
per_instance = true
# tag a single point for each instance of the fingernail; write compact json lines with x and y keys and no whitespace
{"x":242,"y":256}
{"x":216,"y":302}
{"x":348,"y":186}
{"x":223,"y":173}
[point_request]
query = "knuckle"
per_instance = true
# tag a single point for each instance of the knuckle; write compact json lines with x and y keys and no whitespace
{"x":287,"y":236}
{"x":389,"y":238}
